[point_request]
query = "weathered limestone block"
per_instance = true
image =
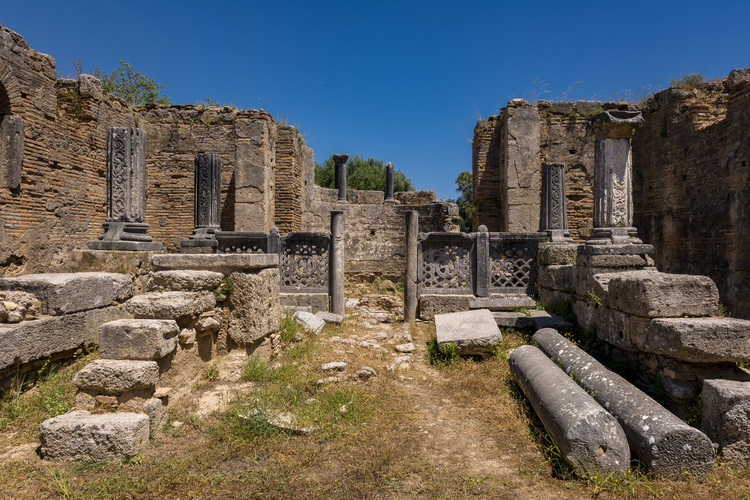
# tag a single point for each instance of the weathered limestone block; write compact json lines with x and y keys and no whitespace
{"x":472,"y":332}
{"x":310,"y":322}
{"x":726,"y":418}
{"x":329,"y":317}
{"x":254,"y":305}
{"x":431,"y":305}
{"x":186,"y":280}
{"x":169,"y":305}
{"x":85,"y":437}
{"x":613,"y":327}
{"x":65,"y":293}
{"x":554,"y":297}
{"x":588,"y":437}
{"x":584,"y":313}
{"x":221,"y":263}
{"x":632,"y":261}
{"x":89,"y":86}
{"x":656,"y":436}
{"x":115,"y":375}
{"x":662,"y":295}
{"x":557,"y":255}
{"x":138,"y":339}
{"x":43,"y":337}
{"x":509,"y":302}
{"x":697,"y":340}
{"x":157,"y":415}
{"x":561,"y":278}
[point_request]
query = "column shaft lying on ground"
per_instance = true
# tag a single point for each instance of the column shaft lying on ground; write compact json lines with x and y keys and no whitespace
{"x":589,"y":438}
{"x":662,"y":441}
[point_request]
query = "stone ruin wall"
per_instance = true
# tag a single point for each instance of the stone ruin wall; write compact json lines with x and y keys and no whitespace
{"x":374,"y":232}
{"x":691,"y":189}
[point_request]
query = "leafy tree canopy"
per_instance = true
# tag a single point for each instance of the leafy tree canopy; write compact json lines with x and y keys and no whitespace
{"x":465,"y":190}
{"x":364,"y":174}
{"x":131,"y":86}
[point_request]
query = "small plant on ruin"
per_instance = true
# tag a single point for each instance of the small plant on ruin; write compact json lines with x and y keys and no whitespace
{"x":721,"y":311}
{"x":211,"y":372}
{"x":132,"y":86}
{"x":289,"y":327}
{"x":224,"y":290}
{"x":441,"y":356}
{"x":688,"y":80}
{"x":597,"y":300}
{"x":255,"y":368}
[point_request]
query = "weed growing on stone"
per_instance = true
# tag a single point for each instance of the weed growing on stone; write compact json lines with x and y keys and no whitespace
{"x":211,"y":372}
{"x":289,"y":327}
{"x":441,"y":356}
{"x":256,"y":368}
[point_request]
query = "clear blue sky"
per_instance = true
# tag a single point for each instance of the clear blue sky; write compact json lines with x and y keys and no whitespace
{"x":398,"y":80}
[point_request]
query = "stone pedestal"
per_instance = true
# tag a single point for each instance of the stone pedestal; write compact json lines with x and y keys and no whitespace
{"x":389,"y":183}
{"x":125,"y":228}
{"x":340,"y":176}
{"x":613,"y":190}
{"x":553,"y":217}
{"x":207,"y":201}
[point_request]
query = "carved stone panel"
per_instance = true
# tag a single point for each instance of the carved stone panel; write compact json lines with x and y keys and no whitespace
{"x":126,"y":174}
{"x":446,"y":265}
{"x":304,"y":263}
{"x":207,"y":190}
{"x":613,"y":192}
{"x":513,"y":264}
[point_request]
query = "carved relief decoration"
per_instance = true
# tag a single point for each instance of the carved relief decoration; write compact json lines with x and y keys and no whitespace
{"x":513,"y":265}
{"x":446,"y":266}
{"x":304,"y":264}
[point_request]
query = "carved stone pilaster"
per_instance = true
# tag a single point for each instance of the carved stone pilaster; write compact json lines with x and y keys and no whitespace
{"x":553,"y":217}
{"x":125,"y":228}
{"x":207,"y":201}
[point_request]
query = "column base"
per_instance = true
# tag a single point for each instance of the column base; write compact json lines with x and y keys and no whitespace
{"x":613,"y":236}
{"x":557,"y":236}
{"x":201,"y":237}
{"x":125,"y":236}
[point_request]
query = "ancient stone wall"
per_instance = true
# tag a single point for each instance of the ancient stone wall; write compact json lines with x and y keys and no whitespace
{"x":374,"y":232}
{"x":690,"y":165}
{"x":290,"y":181}
{"x":487,"y":149}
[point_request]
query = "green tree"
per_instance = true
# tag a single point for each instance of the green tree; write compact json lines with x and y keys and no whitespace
{"x":132,"y":86}
{"x":367,"y":174}
{"x":465,"y":190}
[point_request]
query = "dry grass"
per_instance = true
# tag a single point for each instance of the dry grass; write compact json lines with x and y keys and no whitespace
{"x":461,"y":431}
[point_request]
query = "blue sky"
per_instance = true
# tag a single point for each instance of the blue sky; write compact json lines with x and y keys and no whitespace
{"x":397,"y":80}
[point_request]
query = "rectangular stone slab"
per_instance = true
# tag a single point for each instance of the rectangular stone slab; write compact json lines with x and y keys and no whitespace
{"x":726,"y":405}
{"x":79,"y":436}
{"x":472,"y":332}
{"x":663,"y":295}
{"x":502,"y":303}
{"x":138,"y":338}
{"x":170,"y":305}
{"x":65,"y":293}
{"x":224,"y":263}
{"x":117,"y":375}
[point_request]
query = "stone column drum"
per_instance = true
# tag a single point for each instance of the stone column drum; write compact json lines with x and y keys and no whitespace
{"x":125,"y":228}
{"x":207,"y":201}
{"x":389,"y":183}
{"x":410,"y":274}
{"x":340,"y":175}
{"x":613,"y":190}
{"x":338,"y":299}
{"x":553,"y":217}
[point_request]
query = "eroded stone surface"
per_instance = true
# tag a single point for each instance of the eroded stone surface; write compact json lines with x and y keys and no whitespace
{"x":170,"y":305}
{"x":114,"y":375}
{"x":138,"y":339}
{"x":472,"y":332}
{"x":311,"y":322}
{"x":84,"y":437}
{"x":254,"y":305}
{"x":726,"y":418}
{"x":186,"y":280}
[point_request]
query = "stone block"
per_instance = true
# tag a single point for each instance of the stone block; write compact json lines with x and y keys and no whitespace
{"x":314,"y":301}
{"x":170,"y":305}
{"x":293,"y":309}
{"x":222,"y":263}
{"x":613,"y":327}
{"x":697,"y":340}
{"x":11,"y":151}
{"x":629,"y":262}
{"x":562,"y":278}
{"x":65,"y":293}
{"x":80,"y":436}
{"x":432,"y":305}
{"x":554,"y":297}
{"x":557,"y":255}
{"x":254,"y":305}
{"x":138,"y":338}
{"x":662,"y":295}
{"x":157,"y":415}
{"x":329,"y":317}
{"x":726,"y":418}
{"x":472,"y":332}
{"x":89,"y":86}
{"x":502,"y":302}
{"x":184,"y":280}
{"x":311,"y":322}
{"x":49,"y":335}
{"x":584,"y":313}
{"x":115,"y":375}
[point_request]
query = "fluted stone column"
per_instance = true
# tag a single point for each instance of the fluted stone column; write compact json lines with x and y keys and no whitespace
{"x":553,"y":217}
{"x":338,"y":300}
{"x":207,"y":201}
{"x":125,"y":227}
{"x":389,"y":183}
{"x":340,"y":175}
{"x":410,"y":274}
{"x":613,"y":171}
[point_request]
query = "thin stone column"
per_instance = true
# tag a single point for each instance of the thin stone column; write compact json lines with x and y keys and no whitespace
{"x":613,"y":189}
{"x":483,"y":263}
{"x":338,"y":300}
{"x":207,"y":201}
{"x":124,"y":228}
{"x":410,"y":276}
{"x":340,"y":173}
{"x":389,"y":183}
{"x":553,"y":217}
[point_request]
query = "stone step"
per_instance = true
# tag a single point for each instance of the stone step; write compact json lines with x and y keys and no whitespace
{"x":502,"y":303}
{"x":170,"y":305}
{"x":115,"y":375}
{"x":187,"y":279}
{"x":80,"y":436}
{"x":65,"y":293}
{"x":531,"y":318}
{"x":472,"y":332}
{"x":143,"y":339}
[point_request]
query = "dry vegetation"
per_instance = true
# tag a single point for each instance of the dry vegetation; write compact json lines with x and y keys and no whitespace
{"x":456,"y":431}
